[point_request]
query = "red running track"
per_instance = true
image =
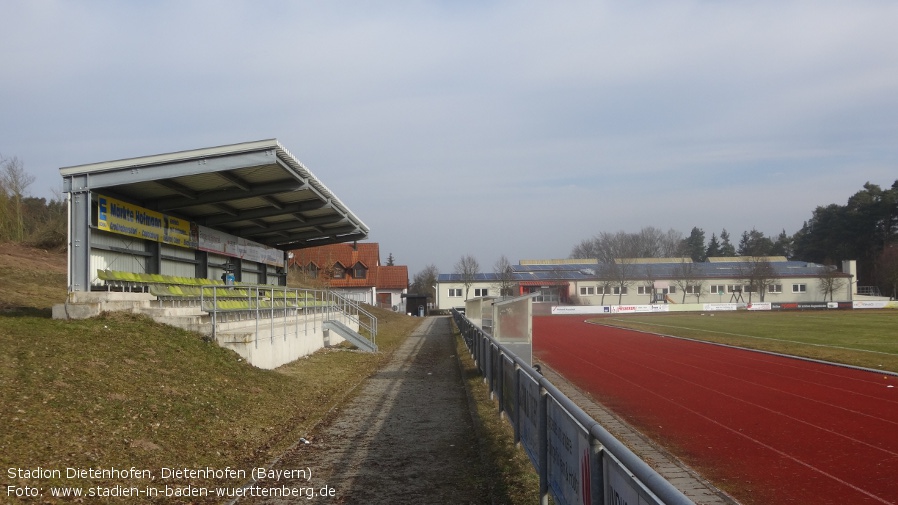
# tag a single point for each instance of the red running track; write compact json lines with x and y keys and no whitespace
{"x":767,"y":429}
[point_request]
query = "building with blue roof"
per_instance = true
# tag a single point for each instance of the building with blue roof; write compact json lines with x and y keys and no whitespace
{"x":738,"y":280}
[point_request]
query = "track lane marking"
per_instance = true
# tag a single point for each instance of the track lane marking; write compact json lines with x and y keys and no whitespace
{"x":743,"y":435}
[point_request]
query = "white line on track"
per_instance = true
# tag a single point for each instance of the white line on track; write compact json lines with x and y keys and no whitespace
{"x":755,"y":336}
{"x":743,"y":435}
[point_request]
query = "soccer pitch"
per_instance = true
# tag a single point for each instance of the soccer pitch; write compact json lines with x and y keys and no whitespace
{"x":865,"y":338}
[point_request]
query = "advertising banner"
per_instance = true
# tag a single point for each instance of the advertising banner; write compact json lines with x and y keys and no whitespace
{"x":623,"y":487}
{"x":721,"y":306}
{"x":124,"y":218}
{"x":218,"y":242}
{"x":581,"y":309}
{"x":871,"y":304}
{"x":570,"y":458}
{"x":637,"y":309}
{"x":528,"y":417}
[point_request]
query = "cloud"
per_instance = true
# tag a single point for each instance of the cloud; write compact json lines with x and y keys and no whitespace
{"x":537,"y":124}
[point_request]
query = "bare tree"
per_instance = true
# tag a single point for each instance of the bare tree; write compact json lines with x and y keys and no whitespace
{"x":621,"y":274}
{"x":424,"y":282}
{"x":830,"y":281}
{"x":504,"y":276}
{"x":686,"y":277}
{"x":13,"y":182}
{"x":468,"y":268}
{"x":758,"y":274}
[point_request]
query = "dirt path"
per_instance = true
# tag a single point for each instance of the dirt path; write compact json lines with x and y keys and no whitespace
{"x":406,"y":438}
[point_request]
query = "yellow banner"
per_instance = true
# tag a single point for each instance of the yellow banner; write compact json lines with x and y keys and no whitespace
{"x":128,"y":219}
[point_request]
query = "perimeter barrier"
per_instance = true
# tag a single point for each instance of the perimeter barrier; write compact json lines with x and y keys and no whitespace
{"x":267,"y":304}
{"x":578,"y":461}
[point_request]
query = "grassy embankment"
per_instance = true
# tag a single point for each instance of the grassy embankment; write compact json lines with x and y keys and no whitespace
{"x":122,"y":391}
{"x":865,"y":338}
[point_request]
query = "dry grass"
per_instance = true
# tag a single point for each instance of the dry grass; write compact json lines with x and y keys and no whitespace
{"x":863,"y":338}
{"x":508,"y":471}
{"x":123,"y":391}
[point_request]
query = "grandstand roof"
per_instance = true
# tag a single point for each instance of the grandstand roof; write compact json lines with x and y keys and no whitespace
{"x":254,"y":190}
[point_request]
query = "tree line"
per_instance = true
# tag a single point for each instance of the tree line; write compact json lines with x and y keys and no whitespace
{"x":865,"y":229}
{"x":25,"y":219}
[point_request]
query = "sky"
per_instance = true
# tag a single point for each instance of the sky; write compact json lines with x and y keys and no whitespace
{"x":490,"y":128}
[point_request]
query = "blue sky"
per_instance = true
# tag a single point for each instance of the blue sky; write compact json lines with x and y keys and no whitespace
{"x":482,"y":128}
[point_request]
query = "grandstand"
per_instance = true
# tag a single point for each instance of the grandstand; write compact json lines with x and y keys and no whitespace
{"x":199,"y":239}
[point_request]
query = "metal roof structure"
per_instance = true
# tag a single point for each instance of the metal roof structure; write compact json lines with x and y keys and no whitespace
{"x":254,"y":190}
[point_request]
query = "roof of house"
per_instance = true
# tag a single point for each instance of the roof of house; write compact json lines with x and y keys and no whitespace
{"x":395,"y":277}
{"x":349,"y":255}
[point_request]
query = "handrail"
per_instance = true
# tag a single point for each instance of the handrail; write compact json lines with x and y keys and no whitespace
{"x":353,"y":309}
{"x":606,"y":465}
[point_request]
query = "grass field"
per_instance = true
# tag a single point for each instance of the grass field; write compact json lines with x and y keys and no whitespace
{"x":866,"y":338}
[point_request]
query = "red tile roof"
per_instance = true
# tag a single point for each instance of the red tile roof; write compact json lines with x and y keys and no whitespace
{"x":395,"y":277}
{"x":348,"y":255}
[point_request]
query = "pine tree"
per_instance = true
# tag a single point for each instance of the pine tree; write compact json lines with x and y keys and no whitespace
{"x":713,"y":247}
{"x":726,"y":247}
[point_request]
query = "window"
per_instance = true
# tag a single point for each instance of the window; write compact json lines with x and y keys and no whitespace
{"x":717,"y":289}
{"x":734,"y":288}
{"x":644,"y":290}
{"x":312,"y":271}
{"x":339,"y":271}
{"x":481,"y":291}
{"x":617,"y":290}
{"x":455,"y":292}
{"x":799,"y":288}
{"x":359,"y":272}
{"x":671,"y":290}
{"x":775,"y":288}
{"x":693,"y":290}
{"x":587,"y":290}
{"x":603,"y":290}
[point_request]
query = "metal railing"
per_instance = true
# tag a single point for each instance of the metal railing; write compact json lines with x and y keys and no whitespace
{"x":577,"y":460}
{"x":266,"y":304}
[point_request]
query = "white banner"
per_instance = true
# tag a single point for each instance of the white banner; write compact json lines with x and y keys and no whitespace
{"x":873,"y":304}
{"x":569,"y":458}
{"x":218,"y":242}
{"x":634,"y":309}
{"x":721,"y":306}
{"x":759,"y":306}
{"x":581,"y":309}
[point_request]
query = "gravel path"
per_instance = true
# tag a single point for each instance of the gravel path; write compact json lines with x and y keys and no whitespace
{"x":406,"y":438}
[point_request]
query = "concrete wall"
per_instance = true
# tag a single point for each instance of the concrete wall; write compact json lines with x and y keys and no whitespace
{"x":266,"y":343}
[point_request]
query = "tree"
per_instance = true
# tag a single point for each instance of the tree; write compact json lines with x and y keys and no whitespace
{"x":758,"y":274}
{"x":390,"y":260}
{"x":504,"y":276}
{"x":783,"y":246}
{"x":887,"y":271}
{"x":713,"y":249}
{"x":621,"y":274}
{"x":694,"y":245}
{"x":858,"y":230}
{"x":754,"y":243}
{"x":830,"y":281}
{"x":726,"y":247}
{"x":424,"y":282}
{"x":468,"y":268}
{"x":649,"y":242}
{"x":686,"y":276}
{"x":14,"y":181}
